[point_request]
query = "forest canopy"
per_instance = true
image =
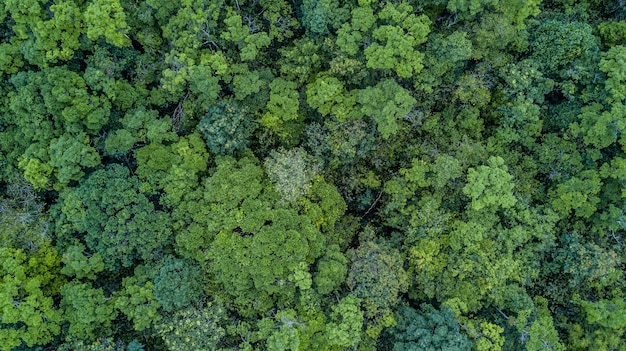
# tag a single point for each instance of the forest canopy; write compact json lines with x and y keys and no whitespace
{"x":312,"y":175}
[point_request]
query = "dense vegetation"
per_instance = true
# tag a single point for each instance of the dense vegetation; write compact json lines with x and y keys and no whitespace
{"x":312,"y":175}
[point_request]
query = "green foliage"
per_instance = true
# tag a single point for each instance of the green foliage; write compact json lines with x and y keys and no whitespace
{"x":174,"y":168}
{"x":612,"y":33}
{"x":69,"y":156}
{"x":331,"y":271}
{"x":260,"y":268}
{"x":387,"y":102}
{"x":604,"y":325}
{"x":443,"y":55}
{"x":87,"y":310}
{"x":600,"y":129}
{"x":328,"y":95}
{"x":542,"y":333}
{"x":324,"y":206}
{"x":177,"y":153}
{"x":77,"y":264}
{"x":588,"y":264}
{"x":23,"y":222}
{"x":612,"y":63}
{"x":29,"y":284}
{"x":428,"y":329}
{"x":558,"y":46}
{"x":137,"y":301}
{"x":232,"y":183}
{"x":139,"y":126}
{"x":579,"y":194}
{"x":106,"y":18}
{"x":299,"y":61}
{"x":282,"y":107}
{"x":118,"y":222}
{"x":194,"y":328}
{"x":292,"y":172}
{"x":226,"y":128}
{"x":342,"y":142}
{"x":319,"y":17}
{"x":347,"y":322}
{"x":286,"y":333}
{"x":178,"y":283}
{"x":396,"y":41}
{"x":490,"y":185}
{"x":377,"y":277}
{"x":102,"y":344}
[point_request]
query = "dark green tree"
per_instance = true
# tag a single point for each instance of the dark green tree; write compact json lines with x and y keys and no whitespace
{"x":178,"y":283}
{"x":114,"y":218}
{"x":226,"y":127}
{"x":428,"y":329}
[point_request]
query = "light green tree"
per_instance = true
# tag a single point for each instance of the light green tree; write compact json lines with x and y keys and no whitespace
{"x":490,"y":185}
{"x":28,"y":286}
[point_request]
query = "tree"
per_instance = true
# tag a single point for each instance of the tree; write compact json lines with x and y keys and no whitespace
{"x":557,"y":46}
{"x":106,"y":18}
{"x":543,"y":335}
{"x":393,"y":41}
{"x":490,"y":185}
{"x":194,"y":328}
{"x":611,"y":64}
{"x":443,"y":55}
{"x":286,"y":334}
{"x":258,"y":269}
{"x":600,"y":128}
{"x":428,"y":329}
{"x":226,"y":128}
{"x":178,"y":283}
{"x":282,"y":106}
{"x":319,"y":17}
{"x":173,"y":168}
{"x":387,"y":102}
{"x":603,"y":327}
{"x":377,"y":277}
{"x":117,"y":221}
{"x":77,"y":263}
{"x":139,"y":126}
{"x":579,"y":193}
{"x":331,"y":271}
{"x":23,"y":222}
{"x":347,"y":322}
{"x":292,"y":172}
{"x":136,"y":300}
{"x":328,"y":95}
{"x":87,"y":310}
{"x":102,"y":344}
{"x":27,"y":289}
{"x":69,"y":155}
{"x":587,"y":264}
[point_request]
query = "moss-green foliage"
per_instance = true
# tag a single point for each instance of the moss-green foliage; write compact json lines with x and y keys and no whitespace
{"x":114,"y":218}
{"x":377,"y":277}
{"x":87,"y":310}
{"x":428,"y":329}
{"x":558,"y":45}
{"x":178,"y":283}
{"x":315,"y":175}
{"x":194,"y":328}
{"x":103,"y":344}
{"x":226,"y":127}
